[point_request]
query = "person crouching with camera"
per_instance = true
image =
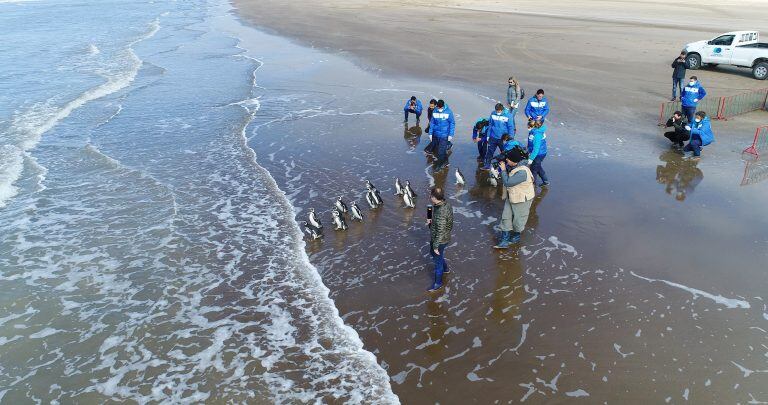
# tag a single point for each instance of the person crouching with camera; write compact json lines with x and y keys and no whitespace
{"x":517,"y":196}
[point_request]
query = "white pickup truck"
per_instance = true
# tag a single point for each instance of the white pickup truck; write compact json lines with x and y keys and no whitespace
{"x":739,"y":48}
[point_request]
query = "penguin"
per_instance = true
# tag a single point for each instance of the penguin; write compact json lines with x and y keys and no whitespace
{"x":369,"y":185}
{"x":338,"y":221}
{"x":356,"y":213}
{"x":408,"y":200}
{"x":398,"y":187}
{"x":409,"y":189}
{"x":340,"y":206}
{"x":314,"y":220}
{"x":370,"y":197}
{"x":460,"y":178}
{"x":313,"y":231}
{"x":377,"y":196}
{"x":494,"y":176}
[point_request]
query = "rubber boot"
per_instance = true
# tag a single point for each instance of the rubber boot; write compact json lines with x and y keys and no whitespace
{"x":504,"y":240}
{"x":514,"y":238}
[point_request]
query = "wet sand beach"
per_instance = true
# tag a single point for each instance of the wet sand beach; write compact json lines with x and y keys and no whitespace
{"x":641,"y":275}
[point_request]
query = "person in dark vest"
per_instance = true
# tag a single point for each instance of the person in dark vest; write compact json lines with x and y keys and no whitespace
{"x":518,"y":196}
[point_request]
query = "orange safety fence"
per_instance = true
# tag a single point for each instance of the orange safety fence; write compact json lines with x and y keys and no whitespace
{"x":721,"y":108}
{"x":760,"y":143}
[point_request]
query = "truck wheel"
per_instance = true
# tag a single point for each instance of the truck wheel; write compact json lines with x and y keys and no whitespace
{"x":760,"y":71}
{"x":694,"y":61}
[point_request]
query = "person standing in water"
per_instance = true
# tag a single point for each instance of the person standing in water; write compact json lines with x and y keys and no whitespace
{"x":480,"y":137}
{"x":430,"y":109}
{"x":440,"y":226}
{"x":537,"y":150}
{"x":514,"y":94}
{"x":442,"y":127}
{"x":518,"y":196}
{"x":501,"y":122}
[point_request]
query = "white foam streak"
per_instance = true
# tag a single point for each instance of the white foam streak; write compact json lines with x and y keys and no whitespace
{"x":719,"y":299}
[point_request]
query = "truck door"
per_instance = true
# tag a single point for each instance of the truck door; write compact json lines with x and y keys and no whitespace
{"x":720,"y":49}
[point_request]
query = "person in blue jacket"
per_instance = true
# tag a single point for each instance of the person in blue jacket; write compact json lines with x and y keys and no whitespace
{"x":693,"y":93}
{"x":501,"y":122}
{"x":537,"y":150}
{"x":508,"y":142}
{"x":480,"y":137}
{"x":537,"y":107}
{"x":442,"y":128}
{"x":701,"y":134}
{"x":412,"y":106}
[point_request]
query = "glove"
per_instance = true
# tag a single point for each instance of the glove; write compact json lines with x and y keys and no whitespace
{"x":687,"y":127}
{"x":695,"y":100}
{"x":430,"y":138}
{"x":450,"y":138}
{"x":530,"y":162}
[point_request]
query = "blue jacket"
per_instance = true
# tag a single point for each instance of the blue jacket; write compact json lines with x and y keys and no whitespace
{"x":535,"y":107}
{"x":408,"y":106}
{"x":482,"y":133}
{"x":704,"y":130}
{"x":511,"y":144}
{"x":537,"y":142}
{"x":690,"y":93}
{"x":501,"y":124}
{"x":442,"y":124}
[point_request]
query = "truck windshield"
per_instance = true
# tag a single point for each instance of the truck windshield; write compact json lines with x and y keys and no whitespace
{"x":723,"y":40}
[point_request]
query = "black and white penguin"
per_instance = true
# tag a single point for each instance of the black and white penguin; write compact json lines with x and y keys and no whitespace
{"x":313,"y":231}
{"x":408,"y":200}
{"x":493,"y":177}
{"x":314,"y":220}
{"x":357,"y":214}
{"x":409,"y":189}
{"x":377,"y":197}
{"x":369,"y":185}
{"x":340,"y":205}
{"x":460,"y":178}
{"x":370,"y":197}
{"x":338,"y":221}
{"x":398,"y":187}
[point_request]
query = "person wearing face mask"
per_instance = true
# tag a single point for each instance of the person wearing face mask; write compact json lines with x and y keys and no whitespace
{"x":537,"y":150}
{"x":501,"y":122}
{"x":442,"y":128}
{"x":537,"y":107}
{"x":701,"y":134}
{"x":693,"y":93}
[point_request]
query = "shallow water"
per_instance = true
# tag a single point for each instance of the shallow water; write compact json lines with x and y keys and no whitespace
{"x":145,"y":254}
{"x":640,"y":277}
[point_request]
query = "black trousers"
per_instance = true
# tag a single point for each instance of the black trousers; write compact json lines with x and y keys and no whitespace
{"x":677,"y":137}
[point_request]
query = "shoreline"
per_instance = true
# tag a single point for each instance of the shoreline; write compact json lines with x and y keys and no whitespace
{"x":574,"y":290}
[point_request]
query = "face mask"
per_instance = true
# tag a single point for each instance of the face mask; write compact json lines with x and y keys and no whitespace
{"x":698,"y":119}
{"x":692,"y":82}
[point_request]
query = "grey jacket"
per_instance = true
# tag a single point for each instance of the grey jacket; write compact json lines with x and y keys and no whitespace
{"x":442,"y":224}
{"x":513,"y":94}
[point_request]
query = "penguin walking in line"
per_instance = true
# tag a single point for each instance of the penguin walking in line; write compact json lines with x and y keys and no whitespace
{"x":377,"y":196}
{"x":338,"y":221}
{"x":408,"y":200}
{"x":398,"y":187}
{"x":314,"y":220}
{"x":313,"y":231}
{"x":340,"y":206}
{"x":460,"y":178}
{"x":370,"y":197}
{"x":409,"y":189}
{"x":357,"y":214}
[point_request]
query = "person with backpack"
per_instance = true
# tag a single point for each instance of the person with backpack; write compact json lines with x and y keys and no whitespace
{"x":537,"y":150}
{"x":480,"y":137}
{"x":515,"y":93}
{"x":501,"y":122}
{"x":693,"y":93}
{"x":537,"y":107}
{"x":701,"y":134}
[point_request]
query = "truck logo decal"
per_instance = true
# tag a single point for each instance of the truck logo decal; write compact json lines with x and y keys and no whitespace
{"x":718,"y":50}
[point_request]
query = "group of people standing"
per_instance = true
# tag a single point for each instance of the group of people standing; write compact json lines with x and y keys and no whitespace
{"x":516,"y":164}
{"x":689,"y":125}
